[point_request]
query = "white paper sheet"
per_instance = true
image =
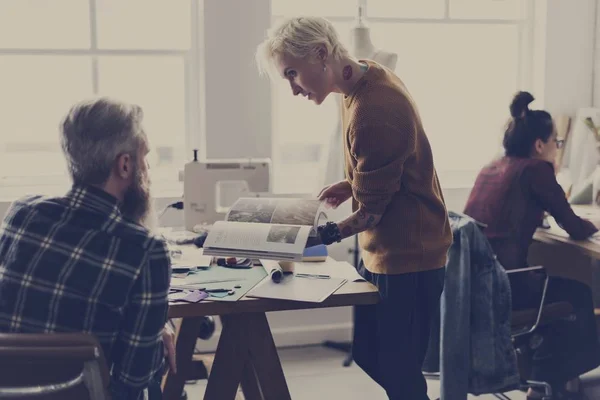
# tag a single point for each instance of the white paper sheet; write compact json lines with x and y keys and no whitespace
{"x":592,"y":214}
{"x":297,"y":289}
{"x":189,"y":256}
{"x":330,"y":267}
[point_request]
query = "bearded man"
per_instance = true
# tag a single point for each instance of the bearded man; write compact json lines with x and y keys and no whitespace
{"x":87,"y":261}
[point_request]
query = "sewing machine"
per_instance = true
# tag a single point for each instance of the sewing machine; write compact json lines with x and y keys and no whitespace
{"x":211,"y":187}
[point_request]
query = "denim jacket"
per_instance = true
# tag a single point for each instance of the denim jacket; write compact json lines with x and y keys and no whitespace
{"x":474,"y":351}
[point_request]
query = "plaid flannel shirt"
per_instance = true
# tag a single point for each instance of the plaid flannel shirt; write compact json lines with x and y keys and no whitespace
{"x":74,"y":264}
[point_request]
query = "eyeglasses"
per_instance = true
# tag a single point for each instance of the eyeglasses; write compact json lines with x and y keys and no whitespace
{"x":559,"y":143}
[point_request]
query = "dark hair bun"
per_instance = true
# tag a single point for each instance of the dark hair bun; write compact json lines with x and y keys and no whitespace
{"x":520,"y":104}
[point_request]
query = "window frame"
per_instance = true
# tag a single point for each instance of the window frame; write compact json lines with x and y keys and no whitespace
{"x":193,"y":89}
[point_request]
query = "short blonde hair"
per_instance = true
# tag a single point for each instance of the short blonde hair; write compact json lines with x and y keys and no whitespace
{"x":299,"y":37}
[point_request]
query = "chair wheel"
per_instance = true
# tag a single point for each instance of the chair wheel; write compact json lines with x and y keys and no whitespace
{"x":207,"y":327}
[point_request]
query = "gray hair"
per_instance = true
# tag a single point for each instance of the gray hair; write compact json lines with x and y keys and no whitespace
{"x":94,"y":133}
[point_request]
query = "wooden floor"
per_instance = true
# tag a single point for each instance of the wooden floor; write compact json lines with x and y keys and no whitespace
{"x":315,"y":373}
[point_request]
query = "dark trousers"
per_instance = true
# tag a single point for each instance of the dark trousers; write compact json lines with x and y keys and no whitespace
{"x":155,"y":390}
{"x":569,"y":348}
{"x":391,"y":337}
{"x":121,"y":392}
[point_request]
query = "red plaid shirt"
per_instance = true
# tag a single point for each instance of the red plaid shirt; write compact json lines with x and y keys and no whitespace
{"x":510,"y":196}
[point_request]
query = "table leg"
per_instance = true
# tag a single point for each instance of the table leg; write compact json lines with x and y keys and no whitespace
{"x":264,"y":358}
{"x":186,"y":336}
{"x":249,"y":383}
{"x":230,"y":359}
{"x":246,"y":349}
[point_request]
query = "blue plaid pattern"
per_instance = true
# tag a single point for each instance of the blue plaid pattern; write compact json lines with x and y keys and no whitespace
{"x":75,"y":264}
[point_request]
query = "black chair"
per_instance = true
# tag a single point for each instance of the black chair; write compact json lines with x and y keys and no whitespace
{"x":525,"y":331}
{"x":52,"y":366}
{"x":526,"y":336}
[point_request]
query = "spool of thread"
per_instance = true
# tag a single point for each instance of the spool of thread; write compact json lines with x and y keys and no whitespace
{"x":276,"y":274}
{"x":279,"y":269}
{"x":287,"y":266}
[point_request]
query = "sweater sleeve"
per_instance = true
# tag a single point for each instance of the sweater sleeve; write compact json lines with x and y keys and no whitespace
{"x":380,"y":150}
{"x":550,"y":195}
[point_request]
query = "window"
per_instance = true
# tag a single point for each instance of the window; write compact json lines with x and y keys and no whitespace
{"x":299,"y":154}
{"x":53,"y":54}
{"x":462,"y":60}
{"x":462,"y":78}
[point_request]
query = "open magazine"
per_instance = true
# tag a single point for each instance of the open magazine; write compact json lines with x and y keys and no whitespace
{"x":266,"y":228}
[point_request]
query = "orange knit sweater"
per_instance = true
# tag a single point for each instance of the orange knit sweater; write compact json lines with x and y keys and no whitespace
{"x":390,"y":167}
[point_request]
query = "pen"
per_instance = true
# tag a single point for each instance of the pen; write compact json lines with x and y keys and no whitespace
{"x":317,"y":276}
{"x":221,"y":290}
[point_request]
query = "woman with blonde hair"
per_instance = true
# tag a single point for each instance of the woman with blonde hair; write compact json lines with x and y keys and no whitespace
{"x":398,"y":207}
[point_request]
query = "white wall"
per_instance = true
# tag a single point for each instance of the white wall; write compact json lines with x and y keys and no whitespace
{"x":597,"y":58}
{"x":565,"y":54}
{"x":237,"y":104}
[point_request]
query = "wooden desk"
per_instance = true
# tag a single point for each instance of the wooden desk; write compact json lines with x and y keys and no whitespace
{"x":570,"y":258}
{"x":591,"y":249}
{"x":566,"y":257}
{"x":246,"y":353}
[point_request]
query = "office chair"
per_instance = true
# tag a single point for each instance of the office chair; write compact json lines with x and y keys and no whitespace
{"x":525,"y":325}
{"x":52,"y":366}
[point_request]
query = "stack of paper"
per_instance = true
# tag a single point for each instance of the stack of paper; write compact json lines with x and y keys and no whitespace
{"x":188,"y":257}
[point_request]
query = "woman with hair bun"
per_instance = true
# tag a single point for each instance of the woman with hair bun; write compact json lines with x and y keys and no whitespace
{"x":511,"y":196}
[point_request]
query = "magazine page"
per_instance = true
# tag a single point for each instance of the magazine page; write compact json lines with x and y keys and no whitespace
{"x":258,"y":240}
{"x":286,"y":211}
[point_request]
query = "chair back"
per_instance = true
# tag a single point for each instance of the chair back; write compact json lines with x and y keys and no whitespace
{"x":52,"y":366}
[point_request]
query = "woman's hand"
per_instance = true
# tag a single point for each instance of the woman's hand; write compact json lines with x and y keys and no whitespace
{"x":336,"y":194}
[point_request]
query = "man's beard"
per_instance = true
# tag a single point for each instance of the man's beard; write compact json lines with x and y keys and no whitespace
{"x":137,"y":203}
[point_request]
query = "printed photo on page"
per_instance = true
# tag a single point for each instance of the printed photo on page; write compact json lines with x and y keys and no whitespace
{"x":256,"y":240}
{"x":269,"y":228}
{"x":284,"y":211}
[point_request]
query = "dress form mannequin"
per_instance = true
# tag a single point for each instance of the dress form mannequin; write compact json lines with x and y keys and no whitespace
{"x":362,"y":48}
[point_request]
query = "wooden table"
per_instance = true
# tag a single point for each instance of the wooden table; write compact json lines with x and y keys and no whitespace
{"x":569,"y":258}
{"x":246,"y":353}
{"x":587,"y":247}
{"x":565,"y":257}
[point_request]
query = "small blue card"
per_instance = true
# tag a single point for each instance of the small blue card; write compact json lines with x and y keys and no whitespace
{"x":315,"y":253}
